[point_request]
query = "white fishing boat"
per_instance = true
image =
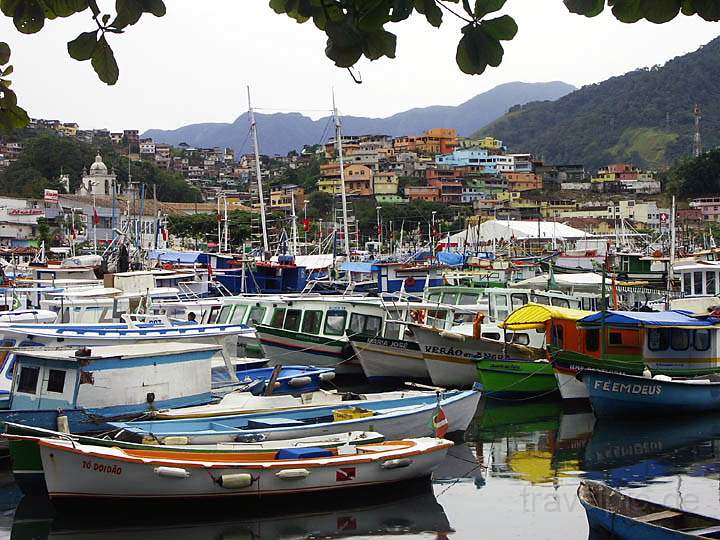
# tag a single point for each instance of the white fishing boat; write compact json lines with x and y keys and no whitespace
{"x":78,"y":471}
{"x":394,"y":418}
{"x":451,"y":358}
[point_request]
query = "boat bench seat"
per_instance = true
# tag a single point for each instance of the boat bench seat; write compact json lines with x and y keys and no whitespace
{"x":657,"y":516}
{"x":273,"y":422}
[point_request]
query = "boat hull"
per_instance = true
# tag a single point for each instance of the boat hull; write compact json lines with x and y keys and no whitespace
{"x":401,"y":418}
{"x":506,"y":377}
{"x":81,"y":473}
{"x":382,"y":358}
{"x":614,"y":394}
{"x":282,"y":347}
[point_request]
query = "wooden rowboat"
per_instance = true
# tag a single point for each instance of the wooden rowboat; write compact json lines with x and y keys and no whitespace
{"x":27,"y":464}
{"x":97,"y":473}
{"x":629,"y":518}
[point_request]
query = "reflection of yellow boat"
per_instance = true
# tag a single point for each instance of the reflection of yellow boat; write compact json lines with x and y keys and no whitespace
{"x":538,"y":466}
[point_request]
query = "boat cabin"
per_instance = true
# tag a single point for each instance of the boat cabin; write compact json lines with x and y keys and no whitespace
{"x":144,"y":377}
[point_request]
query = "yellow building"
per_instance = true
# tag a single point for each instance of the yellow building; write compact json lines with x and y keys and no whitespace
{"x":489,"y":143}
{"x":385,"y":183}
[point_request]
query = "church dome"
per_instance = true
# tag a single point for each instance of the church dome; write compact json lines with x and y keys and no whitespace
{"x":98,"y":167}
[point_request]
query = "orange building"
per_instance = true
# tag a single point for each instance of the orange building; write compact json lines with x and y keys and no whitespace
{"x":433,"y":141}
{"x":523,"y":181}
{"x":423,"y":193}
{"x":358,"y":180}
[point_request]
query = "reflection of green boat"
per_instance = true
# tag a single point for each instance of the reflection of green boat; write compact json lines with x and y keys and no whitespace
{"x":516,"y":377}
{"x":500,"y":419}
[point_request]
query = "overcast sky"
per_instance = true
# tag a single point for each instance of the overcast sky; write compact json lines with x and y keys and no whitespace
{"x":193,"y":64}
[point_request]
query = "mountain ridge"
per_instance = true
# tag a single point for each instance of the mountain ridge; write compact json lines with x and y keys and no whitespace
{"x":279,"y":133}
{"x":644,"y":116}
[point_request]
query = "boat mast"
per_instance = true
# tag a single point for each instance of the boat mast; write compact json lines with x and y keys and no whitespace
{"x":258,"y":173}
{"x":338,"y":140}
{"x":672,"y":255}
{"x":294,"y":224}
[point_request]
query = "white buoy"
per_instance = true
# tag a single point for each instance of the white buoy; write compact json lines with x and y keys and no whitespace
{"x":647,"y":373}
{"x":236,"y":481}
{"x":63,"y":425}
{"x":171,"y":472}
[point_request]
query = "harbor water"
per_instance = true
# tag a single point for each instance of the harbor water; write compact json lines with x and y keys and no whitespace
{"x":515,"y":476}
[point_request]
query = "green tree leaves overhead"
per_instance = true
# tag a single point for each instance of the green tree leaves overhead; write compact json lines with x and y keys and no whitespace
{"x":656,"y":11}
{"x":354,"y":28}
{"x":11,"y":116}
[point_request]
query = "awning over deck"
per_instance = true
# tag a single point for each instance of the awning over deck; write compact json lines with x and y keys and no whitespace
{"x":534,"y":316}
{"x":674,"y":318}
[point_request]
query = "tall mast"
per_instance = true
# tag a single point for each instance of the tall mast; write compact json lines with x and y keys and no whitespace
{"x":672,"y":254}
{"x":294,"y":224}
{"x":338,"y":139}
{"x":258,"y":174}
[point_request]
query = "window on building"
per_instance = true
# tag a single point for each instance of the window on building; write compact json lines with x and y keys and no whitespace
{"x":312,"y":320}
{"x":697,"y":282}
{"x":277,"y":318}
{"x":701,"y":340}
{"x":592,"y":339}
{"x":679,"y":339}
{"x":335,"y":322}
{"x":292,"y":320}
{"x":56,"y":380}
{"x":27,"y":384}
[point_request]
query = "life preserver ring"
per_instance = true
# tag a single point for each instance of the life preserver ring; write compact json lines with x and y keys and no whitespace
{"x":168,"y":266}
{"x":410,"y":281}
{"x":418,"y":316}
{"x":477,"y":324}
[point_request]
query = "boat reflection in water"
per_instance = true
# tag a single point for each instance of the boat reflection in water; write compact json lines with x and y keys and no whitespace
{"x":410,"y":509}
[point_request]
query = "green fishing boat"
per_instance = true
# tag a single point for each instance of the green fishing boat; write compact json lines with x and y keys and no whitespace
{"x":516,"y":377}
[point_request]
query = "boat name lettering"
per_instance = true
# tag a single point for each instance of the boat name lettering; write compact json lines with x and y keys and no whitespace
{"x":646,"y":389}
{"x":102,"y":467}
{"x":449,"y":351}
{"x":388,"y":343}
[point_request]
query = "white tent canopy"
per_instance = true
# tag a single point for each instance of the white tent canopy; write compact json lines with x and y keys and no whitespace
{"x":507,"y":230}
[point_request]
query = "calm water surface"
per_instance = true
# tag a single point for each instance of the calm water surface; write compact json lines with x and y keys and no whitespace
{"x":515,"y":477}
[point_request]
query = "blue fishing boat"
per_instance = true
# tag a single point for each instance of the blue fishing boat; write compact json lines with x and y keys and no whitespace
{"x":291,"y":379}
{"x":618,"y":394}
{"x":415,"y":416}
{"x":628,"y":518}
{"x":81,"y":390}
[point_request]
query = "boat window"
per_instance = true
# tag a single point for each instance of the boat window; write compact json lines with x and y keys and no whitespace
{"x":587,"y":304}
{"x":256,"y":316}
{"x":277,"y":318}
{"x":521,"y":338}
{"x":365,"y":324}
{"x":538,"y":299}
{"x":518,"y":300}
{"x":701,"y":340}
{"x":392,"y":330}
{"x":679,"y":339}
{"x":335,"y":322}
{"x":436,"y":317}
{"x":658,"y":339}
{"x":709,"y":282}
{"x":450,"y":298}
{"x":686,"y":283}
{"x":212,"y":318}
{"x":467,"y":299}
{"x":311,"y":322}
{"x":56,"y":381}
{"x":434,"y":297}
{"x":224,"y":314}
{"x":28,"y":380}
{"x":499,"y":309}
{"x":238,"y":315}
{"x":491,"y":335}
{"x":560,"y":302}
{"x":574,"y":303}
{"x":615,"y":338}
{"x":697,"y":282}
{"x":558,"y":335}
{"x":592,"y":339}
{"x":292,"y":320}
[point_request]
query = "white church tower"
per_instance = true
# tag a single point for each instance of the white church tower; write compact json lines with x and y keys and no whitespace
{"x":99,"y":180}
